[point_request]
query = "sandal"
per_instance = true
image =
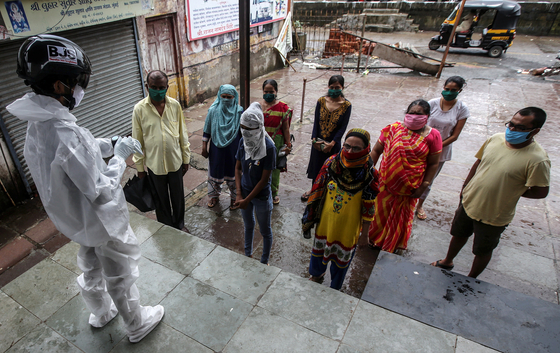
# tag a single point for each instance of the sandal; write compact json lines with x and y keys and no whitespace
{"x":212,"y":202}
{"x":305,"y":196}
{"x":445,"y":267}
{"x":319,"y":279}
{"x":421,"y":215}
{"x":233,"y":206}
{"x":276,"y":200}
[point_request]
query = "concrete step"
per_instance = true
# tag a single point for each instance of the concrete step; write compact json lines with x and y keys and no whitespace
{"x":366,"y":11}
{"x":380,"y":28}
{"x":493,"y":316}
{"x":385,"y":18}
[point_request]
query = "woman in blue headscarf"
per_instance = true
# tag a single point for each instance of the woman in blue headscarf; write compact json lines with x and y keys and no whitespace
{"x":222,"y":130}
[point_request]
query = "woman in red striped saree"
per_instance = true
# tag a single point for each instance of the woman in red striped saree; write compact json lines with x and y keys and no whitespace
{"x":411,"y":152}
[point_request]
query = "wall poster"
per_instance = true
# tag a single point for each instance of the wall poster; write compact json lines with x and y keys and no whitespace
{"x":26,"y":18}
{"x":207,"y":18}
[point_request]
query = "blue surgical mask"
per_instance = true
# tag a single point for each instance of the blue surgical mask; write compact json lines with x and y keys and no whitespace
{"x":517,"y":137}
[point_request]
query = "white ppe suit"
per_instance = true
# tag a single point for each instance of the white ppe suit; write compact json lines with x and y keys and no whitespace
{"x":84,"y":199}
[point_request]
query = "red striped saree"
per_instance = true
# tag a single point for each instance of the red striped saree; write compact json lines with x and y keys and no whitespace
{"x":402,"y":171}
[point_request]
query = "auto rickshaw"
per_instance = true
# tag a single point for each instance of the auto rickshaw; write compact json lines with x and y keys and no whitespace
{"x":496,"y":18}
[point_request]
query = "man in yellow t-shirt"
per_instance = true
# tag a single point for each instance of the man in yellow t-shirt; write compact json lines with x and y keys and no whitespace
{"x":509,"y":166}
{"x":158,"y":123}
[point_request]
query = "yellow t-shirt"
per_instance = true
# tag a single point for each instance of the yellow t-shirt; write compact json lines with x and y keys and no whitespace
{"x":164,"y":138}
{"x":503,"y":175}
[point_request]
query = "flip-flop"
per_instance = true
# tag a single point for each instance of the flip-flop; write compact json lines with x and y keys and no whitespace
{"x":232,"y":206}
{"x":445,"y":267}
{"x":212,"y":202}
{"x":421,"y":215}
{"x":305,"y":196}
{"x":276,"y":200}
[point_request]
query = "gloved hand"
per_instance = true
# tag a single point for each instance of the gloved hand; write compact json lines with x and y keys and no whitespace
{"x":127,"y":146}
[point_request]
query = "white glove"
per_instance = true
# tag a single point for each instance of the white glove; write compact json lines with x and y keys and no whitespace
{"x":124,"y":147}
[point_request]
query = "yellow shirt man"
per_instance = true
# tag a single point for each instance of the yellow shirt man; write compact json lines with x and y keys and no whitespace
{"x":503,"y":175}
{"x":164,"y":138}
{"x":158,"y":123}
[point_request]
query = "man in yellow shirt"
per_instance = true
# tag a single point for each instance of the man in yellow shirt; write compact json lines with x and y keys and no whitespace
{"x":158,"y":123}
{"x":509,"y":166}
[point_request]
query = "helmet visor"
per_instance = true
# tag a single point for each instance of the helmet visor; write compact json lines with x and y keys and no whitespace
{"x":83,"y":80}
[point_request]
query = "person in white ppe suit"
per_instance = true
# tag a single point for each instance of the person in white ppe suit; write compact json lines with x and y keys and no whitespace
{"x":80,"y":192}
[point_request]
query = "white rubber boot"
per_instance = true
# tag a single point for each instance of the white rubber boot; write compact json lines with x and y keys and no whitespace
{"x":151,"y":317}
{"x":100,"y":321}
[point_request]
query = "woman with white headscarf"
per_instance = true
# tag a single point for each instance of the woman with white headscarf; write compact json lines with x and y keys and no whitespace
{"x":221,"y":128}
{"x":256,"y":159}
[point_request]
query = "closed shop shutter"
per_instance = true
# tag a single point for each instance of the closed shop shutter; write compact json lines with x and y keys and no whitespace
{"x":113,"y":90}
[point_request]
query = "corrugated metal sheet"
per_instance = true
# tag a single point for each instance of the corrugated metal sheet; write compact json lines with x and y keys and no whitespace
{"x":113,"y":90}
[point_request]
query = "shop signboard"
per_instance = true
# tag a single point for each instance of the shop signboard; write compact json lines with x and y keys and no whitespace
{"x":27,"y":18}
{"x":208,"y":18}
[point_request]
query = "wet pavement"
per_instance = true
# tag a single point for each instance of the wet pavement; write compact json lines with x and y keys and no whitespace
{"x":199,"y":278}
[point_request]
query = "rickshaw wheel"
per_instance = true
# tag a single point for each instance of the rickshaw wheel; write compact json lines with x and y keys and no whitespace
{"x":433,"y":45}
{"x":495,"y":51}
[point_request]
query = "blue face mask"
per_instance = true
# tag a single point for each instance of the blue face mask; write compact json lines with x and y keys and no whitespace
{"x":517,"y":137}
{"x":228,"y":102}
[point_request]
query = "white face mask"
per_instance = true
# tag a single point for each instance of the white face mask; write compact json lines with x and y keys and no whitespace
{"x":78,"y":95}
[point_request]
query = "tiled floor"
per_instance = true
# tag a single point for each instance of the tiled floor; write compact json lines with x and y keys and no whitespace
{"x":216,"y":300}
{"x":41,"y":307}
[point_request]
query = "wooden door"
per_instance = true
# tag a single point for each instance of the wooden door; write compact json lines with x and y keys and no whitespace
{"x":162,"y":53}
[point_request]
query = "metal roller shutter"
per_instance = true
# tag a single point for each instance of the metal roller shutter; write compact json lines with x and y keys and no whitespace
{"x":114,"y":88}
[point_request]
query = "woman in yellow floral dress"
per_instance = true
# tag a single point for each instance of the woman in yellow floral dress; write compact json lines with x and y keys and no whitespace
{"x":341,"y":200}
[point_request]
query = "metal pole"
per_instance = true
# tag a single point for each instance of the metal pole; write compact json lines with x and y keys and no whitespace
{"x":244,"y":52}
{"x":342,"y":66}
{"x":457,"y":19}
{"x":302,"y":100}
{"x":361,"y":43}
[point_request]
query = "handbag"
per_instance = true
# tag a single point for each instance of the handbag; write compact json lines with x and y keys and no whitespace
{"x":139,"y":193}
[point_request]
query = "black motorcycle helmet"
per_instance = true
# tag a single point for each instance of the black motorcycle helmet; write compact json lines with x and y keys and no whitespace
{"x":44,"y":59}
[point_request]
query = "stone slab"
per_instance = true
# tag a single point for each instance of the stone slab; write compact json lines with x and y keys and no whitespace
{"x":473,"y":309}
{"x":311,"y":305}
{"x":155,"y":281}
{"x":235,"y":274}
{"x":276,"y":334}
{"x":163,"y":339}
{"x":143,"y":227}
{"x":16,"y":321}
{"x":205,"y":314}
{"x":379,"y":330}
{"x":13,"y":252}
{"x":176,"y":250}
{"x":71,"y":321}
{"x":43,"y":339}
{"x":466,"y":346}
{"x":67,"y":257}
{"x":43,"y":289}
{"x":42,"y":232}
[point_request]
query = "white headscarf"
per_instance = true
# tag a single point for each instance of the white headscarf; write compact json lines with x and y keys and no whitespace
{"x":254,"y":140}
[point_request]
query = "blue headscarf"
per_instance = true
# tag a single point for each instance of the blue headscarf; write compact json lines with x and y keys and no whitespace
{"x":222,"y":121}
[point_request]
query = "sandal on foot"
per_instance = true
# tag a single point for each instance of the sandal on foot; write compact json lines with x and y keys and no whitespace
{"x":212,"y":202}
{"x":233,"y":206}
{"x":319,"y":279}
{"x":440,"y":265}
{"x":276,"y":200}
{"x":421,"y":215}
{"x":305,"y":196}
